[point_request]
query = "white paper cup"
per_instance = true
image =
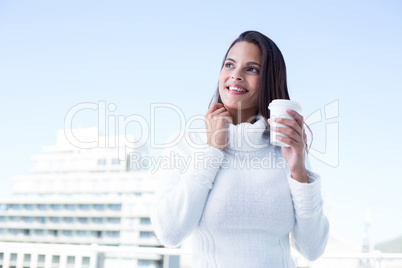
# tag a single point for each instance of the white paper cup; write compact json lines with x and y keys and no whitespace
{"x":278,"y":110}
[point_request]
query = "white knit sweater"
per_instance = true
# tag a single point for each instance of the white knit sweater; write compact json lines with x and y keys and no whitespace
{"x":240,"y":204}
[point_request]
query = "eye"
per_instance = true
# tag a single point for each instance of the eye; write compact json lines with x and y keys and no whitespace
{"x":229,"y":65}
{"x":253,"y":70}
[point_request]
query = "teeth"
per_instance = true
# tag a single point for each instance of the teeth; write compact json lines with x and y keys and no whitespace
{"x":237,"y":89}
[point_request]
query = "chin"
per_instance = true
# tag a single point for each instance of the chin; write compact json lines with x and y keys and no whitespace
{"x":232,"y":104}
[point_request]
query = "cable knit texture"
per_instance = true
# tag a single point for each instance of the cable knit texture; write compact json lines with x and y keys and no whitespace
{"x":240,"y":205}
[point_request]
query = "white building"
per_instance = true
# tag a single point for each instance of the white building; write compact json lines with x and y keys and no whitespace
{"x":82,"y":197}
{"x":86,"y":208}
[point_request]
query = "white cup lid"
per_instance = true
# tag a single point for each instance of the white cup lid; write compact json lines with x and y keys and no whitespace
{"x":283,"y":102}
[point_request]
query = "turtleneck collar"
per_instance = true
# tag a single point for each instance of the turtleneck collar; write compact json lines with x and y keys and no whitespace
{"x":247,"y":136}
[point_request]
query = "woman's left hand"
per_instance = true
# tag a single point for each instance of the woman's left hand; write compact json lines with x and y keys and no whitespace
{"x":294,"y":154}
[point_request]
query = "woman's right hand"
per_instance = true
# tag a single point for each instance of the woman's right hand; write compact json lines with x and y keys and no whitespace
{"x":216,"y":120}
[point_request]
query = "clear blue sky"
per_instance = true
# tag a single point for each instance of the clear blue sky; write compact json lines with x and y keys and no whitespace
{"x":57,"y":54}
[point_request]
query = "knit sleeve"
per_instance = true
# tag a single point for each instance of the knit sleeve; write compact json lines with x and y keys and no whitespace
{"x":310,"y":233}
{"x":184,"y":186}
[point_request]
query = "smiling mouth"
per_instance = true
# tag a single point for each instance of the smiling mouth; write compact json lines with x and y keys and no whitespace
{"x":237,"y":89}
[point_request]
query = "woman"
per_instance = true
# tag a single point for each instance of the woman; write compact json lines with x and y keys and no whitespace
{"x":241,"y":197}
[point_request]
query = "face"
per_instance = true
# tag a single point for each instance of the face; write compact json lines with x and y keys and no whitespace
{"x":239,"y":78}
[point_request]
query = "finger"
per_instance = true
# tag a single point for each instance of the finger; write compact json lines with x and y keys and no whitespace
{"x":226,"y":115}
{"x":292,"y":143}
{"x":289,"y":132}
{"x":223,"y":116}
{"x":211,"y":115}
{"x":218,"y":111}
{"x":214,"y":106}
{"x":298,"y":117}
{"x":220,"y":114}
{"x":289,"y":123}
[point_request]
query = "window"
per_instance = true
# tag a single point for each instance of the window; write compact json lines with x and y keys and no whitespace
{"x":113,"y":234}
{"x":67,"y":233}
{"x":15,"y":219}
{"x":41,"y":258}
{"x":115,"y":161}
{"x":85,"y":261}
{"x":42,"y":207}
{"x":3,"y":207}
{"x":53,"y":232}
{"x":70,"y":260}
{"x":68,"y":219}
{"x":97,"y":220}
{"x":3,"y":218}
{"x":145,"y":221}
{"x":13,"y":257}
{"x":39,"y":232}
{"x":55,"y":260}
{"x":113,"y":220}
{"x":102,"y":162}
{"x":54,"y":219}
{"x":40,"y":219}
{"x":26,"y":231}
{"x":100,"y":207}
{"x":115,"y":207}
{"x":29,"y":207}
{"x":83,"y":220}
{"x":146,"y":234}
{"x":82,"y":233}
{"x":28,"y":219}
{"x":27,"y":257}
{"x":70,"y":207}
{"x":144,"y":262}
{"x":13,"y":231}
{"x":97,"y":234}
{"x":56,"y":207}
{"x":84,"y":207}
{"x":15,"y":206}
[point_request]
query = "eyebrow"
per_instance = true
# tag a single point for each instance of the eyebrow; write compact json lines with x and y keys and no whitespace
{"x":248,"y":63}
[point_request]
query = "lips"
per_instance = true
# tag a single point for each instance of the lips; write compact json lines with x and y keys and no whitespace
{"x":236,"y":89}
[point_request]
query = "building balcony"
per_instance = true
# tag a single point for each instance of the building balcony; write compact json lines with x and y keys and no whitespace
{"x":61,"y":226}
{"x":64,"y":213}
{"x":84,"y":240}
{"x":56,"y":255}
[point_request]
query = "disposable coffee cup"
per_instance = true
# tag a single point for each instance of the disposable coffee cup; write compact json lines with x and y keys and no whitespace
{"x":278,"y":110}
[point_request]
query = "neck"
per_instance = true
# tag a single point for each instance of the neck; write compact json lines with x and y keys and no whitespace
{"x":242,"y":116}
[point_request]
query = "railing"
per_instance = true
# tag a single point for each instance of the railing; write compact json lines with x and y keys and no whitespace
{"x":35,"y":255}
{"x":375,"y":259}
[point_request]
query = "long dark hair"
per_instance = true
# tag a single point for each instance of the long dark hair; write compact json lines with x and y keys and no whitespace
{"x":273,"y":83}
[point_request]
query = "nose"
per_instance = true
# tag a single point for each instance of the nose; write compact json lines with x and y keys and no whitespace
{"x":236,"y":75}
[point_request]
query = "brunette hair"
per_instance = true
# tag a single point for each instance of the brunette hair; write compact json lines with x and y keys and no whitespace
{"x":272,"y":83}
